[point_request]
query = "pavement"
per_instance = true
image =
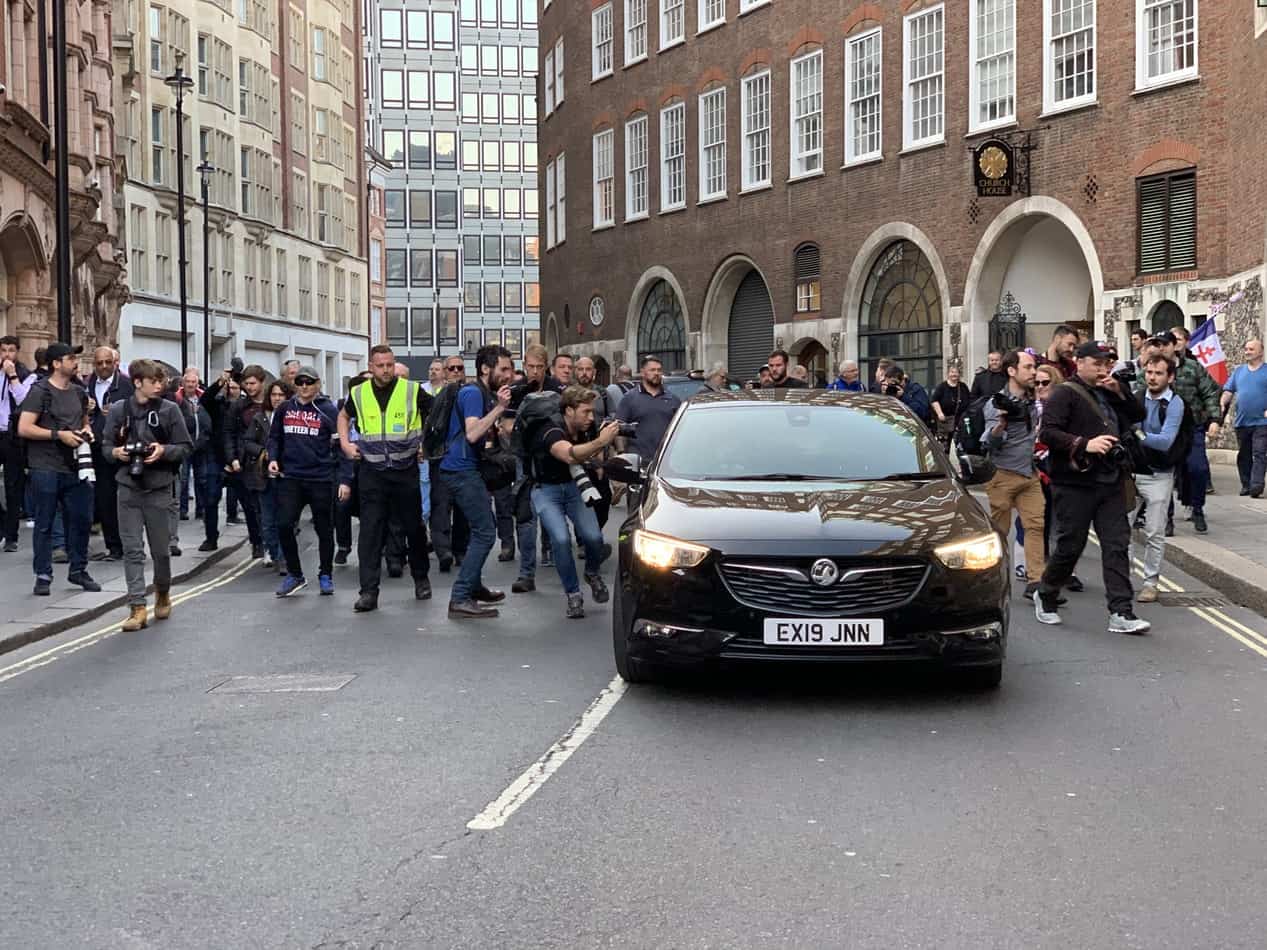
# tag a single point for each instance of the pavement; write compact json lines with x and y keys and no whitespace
{"x":1107,"y":795}
{"x":34,"y":618}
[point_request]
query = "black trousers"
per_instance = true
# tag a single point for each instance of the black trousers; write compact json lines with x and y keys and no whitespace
{"x":386,"y":495}
{"x":343,"y":519}
{"x":106,"y":505}
{"x":292,"y":495}
{"x":1077,"y":508}
{"x":450,"y":534}
{"x":11,"y":457}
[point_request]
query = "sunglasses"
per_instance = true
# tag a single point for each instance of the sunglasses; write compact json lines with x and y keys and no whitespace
{"x":1042,"y":383}
{"x":306,"y":381}
{"x":455,"y":369}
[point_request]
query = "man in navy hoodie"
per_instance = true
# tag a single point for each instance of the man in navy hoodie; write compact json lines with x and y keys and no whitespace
{"x":300,"y":452}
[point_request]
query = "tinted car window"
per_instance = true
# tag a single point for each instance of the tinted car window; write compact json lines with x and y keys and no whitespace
{"x":684,"y":389}
{"x":836,"y":442}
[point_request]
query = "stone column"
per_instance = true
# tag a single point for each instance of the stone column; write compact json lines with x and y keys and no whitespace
{"x":17,"y":50}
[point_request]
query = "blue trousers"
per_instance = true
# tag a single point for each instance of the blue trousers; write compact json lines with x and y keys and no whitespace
{"x":555,"y":505}
{"x":467,"y":490}
{"x":60,"y":490}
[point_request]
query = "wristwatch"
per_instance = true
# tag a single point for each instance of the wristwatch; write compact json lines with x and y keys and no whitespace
{"x":52,"y":434}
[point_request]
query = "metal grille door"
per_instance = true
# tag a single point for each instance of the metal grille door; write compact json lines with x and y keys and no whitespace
{"x":751,"y":334}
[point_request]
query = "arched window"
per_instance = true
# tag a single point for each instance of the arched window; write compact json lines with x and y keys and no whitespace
{"x":661,"y":329}
{"x":807,"y":265}
{"x":900,"y":314}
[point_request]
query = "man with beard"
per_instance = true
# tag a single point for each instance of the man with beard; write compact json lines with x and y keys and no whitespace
{"x":779,"y":378}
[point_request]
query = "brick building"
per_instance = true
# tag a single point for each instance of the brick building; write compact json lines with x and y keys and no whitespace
{"x":724,"y":176}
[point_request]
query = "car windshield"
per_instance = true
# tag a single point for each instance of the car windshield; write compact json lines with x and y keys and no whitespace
{"x":781,"y":442}
{"x":684,"y":388}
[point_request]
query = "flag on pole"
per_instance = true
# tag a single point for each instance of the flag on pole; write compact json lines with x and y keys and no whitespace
{"x":1205,"y":346}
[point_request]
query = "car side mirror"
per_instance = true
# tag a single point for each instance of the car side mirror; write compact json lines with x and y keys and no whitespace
{"x":625,"y":468}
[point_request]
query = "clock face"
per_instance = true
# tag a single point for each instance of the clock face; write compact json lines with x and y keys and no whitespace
{"x":597,"y":311}
{"x":993,"y":162}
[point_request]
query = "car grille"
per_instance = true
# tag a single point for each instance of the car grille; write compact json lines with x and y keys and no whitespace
{"x":786,"y":589}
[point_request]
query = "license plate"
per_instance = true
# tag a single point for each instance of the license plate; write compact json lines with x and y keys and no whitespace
{"x":823,"y":633}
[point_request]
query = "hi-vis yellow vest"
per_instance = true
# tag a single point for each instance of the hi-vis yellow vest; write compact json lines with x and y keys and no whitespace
{"x":388,"y":439}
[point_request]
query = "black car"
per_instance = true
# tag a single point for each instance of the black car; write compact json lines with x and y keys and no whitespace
{"x":802,"y":526}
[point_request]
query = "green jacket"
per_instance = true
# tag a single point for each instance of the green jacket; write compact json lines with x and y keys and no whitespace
{"x":1200,"y":393}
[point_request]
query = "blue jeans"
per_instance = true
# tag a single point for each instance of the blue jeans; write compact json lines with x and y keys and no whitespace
{"x":469,"y":494}
{"x":1251,"y":457}
{"x":424,"y":484}
{"x":59,"y":523}
{"x":1198,"y":471}
{"x":554,"y":505}
{"x":267,"y":500}
{"x":526,"y":534}
{"x":51,"y":491}
{"x":193,"y":470}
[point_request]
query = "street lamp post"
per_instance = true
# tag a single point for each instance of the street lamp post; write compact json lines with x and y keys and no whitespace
{"x":178,"y":82}
{"x":61,"y":148}
{"x":205,"y":171}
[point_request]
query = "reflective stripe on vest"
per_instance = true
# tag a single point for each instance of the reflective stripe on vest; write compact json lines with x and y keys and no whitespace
{"x":389,"y":439}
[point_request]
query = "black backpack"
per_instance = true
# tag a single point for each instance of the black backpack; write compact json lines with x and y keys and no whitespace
{"x":974,"y":464}
{"x":537,"y":411}
{"x":435,"y":431}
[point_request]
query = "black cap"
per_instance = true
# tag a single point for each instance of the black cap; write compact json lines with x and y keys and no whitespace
{"x":1164,"y":339}
{"x":57,"y":351}
{"x":1097,"y":349}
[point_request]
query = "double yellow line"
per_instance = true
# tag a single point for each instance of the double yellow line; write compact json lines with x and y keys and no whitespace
{"x":74,"y":646}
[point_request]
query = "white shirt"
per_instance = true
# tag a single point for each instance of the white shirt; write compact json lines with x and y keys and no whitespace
{"x":100,"y":388}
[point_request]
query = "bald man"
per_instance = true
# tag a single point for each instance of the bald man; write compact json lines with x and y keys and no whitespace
{"x":402,"y":371}
{"x":105,"y":386}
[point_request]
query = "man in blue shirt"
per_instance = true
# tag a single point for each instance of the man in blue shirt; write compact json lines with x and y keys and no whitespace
{"x":1249,"y":385}
{"x":1163,"y":420}
{"x":848,"y":381}
{"x":474,"y":424}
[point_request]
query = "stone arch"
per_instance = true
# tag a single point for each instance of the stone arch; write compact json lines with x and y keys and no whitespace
{"x":633,"y":310}
{"x":715,"y":317}
{"x":550,"y":334}
{"x":20,"y":244}
{"x":994,"y":253}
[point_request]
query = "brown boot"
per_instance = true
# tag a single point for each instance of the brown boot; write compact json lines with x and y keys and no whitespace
{"x":162,"y":604}
{"x":137,"y":619}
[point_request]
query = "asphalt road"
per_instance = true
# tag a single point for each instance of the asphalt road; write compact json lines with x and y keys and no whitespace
{"x":1108,"y":795}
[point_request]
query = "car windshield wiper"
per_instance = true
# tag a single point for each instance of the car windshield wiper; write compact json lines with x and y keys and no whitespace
{"x":908,"y":477}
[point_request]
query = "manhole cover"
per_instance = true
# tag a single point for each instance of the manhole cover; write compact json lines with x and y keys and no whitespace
{"x":285,"y":683}
{"x":1192,"y":600}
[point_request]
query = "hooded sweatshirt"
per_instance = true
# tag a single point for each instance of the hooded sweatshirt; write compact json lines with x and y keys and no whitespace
{"x":301,"y":440}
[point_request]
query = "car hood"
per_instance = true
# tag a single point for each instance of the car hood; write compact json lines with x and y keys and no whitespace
{"x":896,"y":519}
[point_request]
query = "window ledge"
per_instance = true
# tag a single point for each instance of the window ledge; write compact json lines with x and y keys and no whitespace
{"x":603,"y":227}
{"x":862,"y":162}
{"x":600,"y":77}
{"x":634,"y":62}
{"x":680,"y":41}
{"x":708,"y":28}
{"x":752,"y":8}
{"x":805,"y":176}
{"x":756,"y":189}
{"x":677,"y":209}
{"x":634,"y":218}
{"x":993,"y":127}
{"x":922,"y":147}
{"x":712,"y":199}
{"x":1181,"y":80}
{"x":1066,"y":108}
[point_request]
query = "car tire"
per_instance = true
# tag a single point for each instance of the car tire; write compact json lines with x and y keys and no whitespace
{"x":630,"y":669}
{"x":980,"y":678}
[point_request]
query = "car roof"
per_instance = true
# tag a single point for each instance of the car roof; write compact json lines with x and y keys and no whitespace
{"x":801,"y":397}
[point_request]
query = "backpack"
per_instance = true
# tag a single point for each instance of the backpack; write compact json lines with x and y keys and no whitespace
{"x":974,"y":463}
{"x":537,"y":411}
{"x":435,"y":431}
{"x":1179,"y":449}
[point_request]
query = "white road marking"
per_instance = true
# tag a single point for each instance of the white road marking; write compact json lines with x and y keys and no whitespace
{"x":530,"y":781}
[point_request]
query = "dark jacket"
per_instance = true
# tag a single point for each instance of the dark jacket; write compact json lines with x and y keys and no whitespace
{"x":915,"y":398}
{"x":119,"y":390}
{"x":216,"y":401}
{"x":1198,"y":389}
{"x":198,"y":422}
{"x":1070,"y":421}
{"x":128,"y":421}
{"x":302,"y":439}
{"x":246,"y":438}
{"x":987,"y":382}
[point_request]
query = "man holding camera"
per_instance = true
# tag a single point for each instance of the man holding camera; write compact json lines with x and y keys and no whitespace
{"x":146,"y":435}
{"x":1084,"y":423}
{"x":914,"y":396}
{"x":557,"y":454}
{"x":1011,"y":420}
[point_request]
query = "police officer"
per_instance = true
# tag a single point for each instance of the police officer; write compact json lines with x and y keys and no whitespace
{"x":389,"y":414}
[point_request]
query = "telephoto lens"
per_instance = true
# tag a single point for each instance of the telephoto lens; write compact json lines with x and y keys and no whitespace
{"x":589,"y":494}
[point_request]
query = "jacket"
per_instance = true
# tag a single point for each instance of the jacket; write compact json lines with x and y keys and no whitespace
{"x":986,"y":383}
{"x":915,"y":398}
{"x":15,"y":392}
{"x":119,"y":390}
{"x":128,"y":421}
{"x":245,"y":439}
{"x":198,"y":422}
{"x":840,"y":386}
{"x":302,"y":437}
{"x":1198,"y":390}
{"x":1069,"y":422}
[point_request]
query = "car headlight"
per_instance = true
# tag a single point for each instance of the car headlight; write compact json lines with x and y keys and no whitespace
{"x":662,"y":552}
{"x":979,"y":554}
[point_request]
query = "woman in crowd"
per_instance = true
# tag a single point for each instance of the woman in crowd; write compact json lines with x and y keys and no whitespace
{"x":278,"y":392}
{"x":950,"y":401}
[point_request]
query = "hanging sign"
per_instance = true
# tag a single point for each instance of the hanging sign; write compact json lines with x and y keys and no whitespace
{"x":994,"y":168}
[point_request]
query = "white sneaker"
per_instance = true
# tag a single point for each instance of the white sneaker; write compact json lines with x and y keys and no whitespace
{"x":1128,"y":623}
{"x":1049,"y":617}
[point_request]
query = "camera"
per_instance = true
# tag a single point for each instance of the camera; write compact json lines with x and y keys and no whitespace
{"x":892,"y":389}
{"x":589,"y":494}
{"x":1126,"y":374}
{"x":1016,"y":409}
{"x":628,"y":430}
{"x":236,"y":367}
{"x":137,"y":453}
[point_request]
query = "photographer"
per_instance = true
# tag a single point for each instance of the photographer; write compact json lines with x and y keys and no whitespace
{"x":1011,"y":419}
{"x":245,"y":437}
{"x":146,"y":435}
{"x":1083,"y":425}
{"x":54,"y":422}
{"x":15,"y":382}
{"x":914,"y":396}
{"x":556,"y":458}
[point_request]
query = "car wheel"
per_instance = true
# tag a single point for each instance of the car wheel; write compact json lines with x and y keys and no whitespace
{"x":980,"y":678}
{"x":630,"y":669}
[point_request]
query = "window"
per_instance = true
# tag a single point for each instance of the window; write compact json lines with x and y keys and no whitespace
{"x":530,"y":203}
{"x":394,"y":203}
{"x":510,"y":14}
{"x":1069,"y":66}
{"x":532,"y":250}
{"x":560,"y":198}
{"x":420,"y":326}
{"x":448,"y":320}
{"x":755,"y":91}
{"x":558,"y":73}
{"x":393,"y":88}
{"x":529,"y":59}
{"x":711,"y":13}
{"x":420,"y":274}
{"x":397,"y":275}
{"x":444,"y":86}
{"x":532,"y":297}
{"x":672,"y":23}
{"x":471,"y":108}
{"x":922,"y":75}
{"x":636,"y":168}
{"x":446,"y":268}
{"x":472,"y":294}
{"x":419,"y":149}
{"x":157,"y":122}
{"x":323,"y":291}
{"x":488,"y":60}
{"x":992,"y":41}
{"x":673,"y":157}
{"x":604,"y":182}
{"x":471,"y":250}
{"x":470,"y":62}
{"x":510,"y":108}
{"x":601,"y":37}
{"x":1167,"y":207}
{"x":157,"y":38}
{"x":204,"y":65}
{"x":492,"y":298}
{"x":419,"y":209}
{"x":397,"y":331}
{"x":550,"y":178}
{"x":419,"y":89}
{"x":282,"y":301}
{"x":807,"y":114}
{"x":468,"y":13}
{"x":712,"y":144}
{"x":470,"y":155}
{"x":244,"y":177}
{"x":490,"y":107}
{"x":442,"y":31}
{"x":376,"y":261}
{"x":513,"y":298}
{"x":163,"y":251}
{"x":492,"y":250}
{"x":446,"y":151}
{"x":808,"y":267}
{"x":510,"y":60}
{"x":862,"y":96}
{"x":530,"y":109}
{"x":390,"y":27}
{"x":318,"y":54}
{"x":635,"y":31}
{"x":416,"y":31}
{"x":298,"y":51}
{"x":511,"y":202}
{"x":549,"y":82}
{"x":1166,"y":41}
{"x":470,"y":202}
{"x":513,"y":251}
{"x":492,"y":202}
{"x":393,"y":144}
{"x":446,"y":210}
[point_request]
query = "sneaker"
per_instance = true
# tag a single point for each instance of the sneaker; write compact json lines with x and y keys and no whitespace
{"x":184,"y":516}
{"x":1128,"y":623}
{"x":84,"y":579}
{"x":42,"y":587}
{"x":523,"y":585}
{"x":1031,"y":590}
{"x":326,"y":583}
{"x":1049,"y":617}
{"x":175,"y":550}
{"x":209,"y":546}
{"x":1255,"y":493}
{"x":598,"y":588}
{"x":576,"y":607}
{"x":483,"y":595}
{"x":1075,"y":585}
{"x":607,"y":551}
{"x":470,"y":610}
{"x":1147,"y":594}
{"x":268,"y":560}
{"x":60,"y":556}
{"x":113,"y":556}
{"x":1198,"y":522}
{"x":446,"y":564}
{"x":1170,"y":528}
{"x":31,"y":524}
{"x":257,"y":551}
{"x":422,"y":589}
{"x":1244,"y":494}
{"x":507,"y":553}
{"x":341,"y":555}
{"x":365,"y":603}
{"x":10,"y":547}
{"x":395,"y":569}
{"x":290,"y":585}
{"x":232,"y":519}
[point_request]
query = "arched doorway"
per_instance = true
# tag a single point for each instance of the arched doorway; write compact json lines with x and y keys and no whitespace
{"x":900,"y":314}
{"x":751,"y":328}
{"x":602,"y":371}
{"x":813,"y":356}
{"x":552,"y":334}
{"x":1165,"y":316}
{"x":661,"y":328}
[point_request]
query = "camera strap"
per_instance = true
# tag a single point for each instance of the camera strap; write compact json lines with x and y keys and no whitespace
{"x":1094,"y":403}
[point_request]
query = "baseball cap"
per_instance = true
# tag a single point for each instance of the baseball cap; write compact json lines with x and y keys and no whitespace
{"x":58,"y":351}
{"x":1164,"y":339}
{"x":310,"y":371}
{"x":1096,"y":348}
